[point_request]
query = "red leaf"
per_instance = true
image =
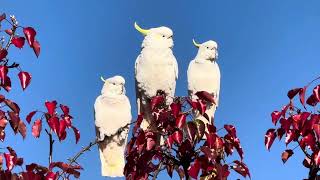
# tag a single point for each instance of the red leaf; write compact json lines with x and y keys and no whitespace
{"x":284,"y":110}
{"x":151,"y":140}
{"x":316,"y":158}
{"x":169,"y":168}
{"x":316,"y":128}
{"x":308,"y":140}
{"x":36,"y":47}
{"x":22,"y":129}
{"x":62,"y":130}
{"x":231,"y":130}
{"x":201,"y":106}
{"x":53,"y":123}
{"x":211,"y":128}
{"x":302,"y":94}
{"x":65,"y":109}
{"x":238,"y":147}
{"x":51,"y":106}
{"x":7,"y":84}
{"x":3,"y":54}
{"x":9,"y":161}
{"x":30,"y":115}
{"x":241,"y":168}
{"x":312,"y":100}
{"x":138,"y":123}
{"x":36,"y":128}
{"x":286,"y":155}
{"x":269,"y":138}
{"x":25,"y":79}
{"x":156,"y":101}
{"x":181,"y":120}
{"x":2,"y":17}
{"x":316,"y":92}
{"x":307,"y":162}
{"x":286,"y":123}
{"x":200,"y":127}
{"x":192,"y":130}
{"x":51,"y":176}
{"x":169,"y":141}
{"x":291,"y":135}
{"x":12,"y":105}
{"x":280,"y":132}
{"x":206,"y":96}
{"x":68,"y":120}
{"x":194,"y":169}
{"x":175,"y":108}
{"x":9,"y":32}
{"x":293,"y":92}
{"x":177,"y":136}
{"x":30,"y":33}
{"x":3,"y":73}
{"x":275,"y":115}
{"x":2,"y":134}
{"x":76,"y":133}
{"x":18,"y":41}
{"x":210,"y":154}
{"x":14,"y":121}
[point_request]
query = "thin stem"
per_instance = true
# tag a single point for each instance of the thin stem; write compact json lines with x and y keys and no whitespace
{"x":14,"y":28}
{"x":51,"y":141}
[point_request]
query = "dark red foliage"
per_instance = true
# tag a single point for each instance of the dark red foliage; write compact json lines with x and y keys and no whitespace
{"x":3,"y":54}
{"x":269,"y":138}
{"x":36,"y":128}
{"x":30,"y":34}
{"x":25,"y":79}
{"x":286,"y":155}
{"x":36,"y":47}
{"x":177,"y":143}
{"x":54,"y":121}
{"x":30,"y":115}
{"x":302,"y":128}
{"x":18,"y":41}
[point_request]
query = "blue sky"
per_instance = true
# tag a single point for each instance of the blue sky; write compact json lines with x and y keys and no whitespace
{"x":265,"y":49}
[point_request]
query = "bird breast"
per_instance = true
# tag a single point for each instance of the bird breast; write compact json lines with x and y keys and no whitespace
{"x":156,"y":71}
{"x":204,"y":77}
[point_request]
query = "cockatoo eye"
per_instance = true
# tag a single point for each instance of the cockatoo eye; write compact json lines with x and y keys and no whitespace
{"x":207,"y":47}
{"x":163,"y":36}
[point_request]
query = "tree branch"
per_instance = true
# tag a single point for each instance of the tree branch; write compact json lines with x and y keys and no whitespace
{"x":51,"y":141}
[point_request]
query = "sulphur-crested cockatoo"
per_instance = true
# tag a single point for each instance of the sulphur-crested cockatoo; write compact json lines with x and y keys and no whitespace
{"x":204,"y":75}
{"x":156,"y":69}
{"x":112,"y":111}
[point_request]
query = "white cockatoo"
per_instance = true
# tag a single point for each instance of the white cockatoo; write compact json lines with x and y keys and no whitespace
{"x":204,"y":75}
{"x":156,"y":69}
{"x":112,"y":111}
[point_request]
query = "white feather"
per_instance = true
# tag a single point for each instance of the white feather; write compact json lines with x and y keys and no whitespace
{"x":204,"y":74}
{"x":156,"y":68}
{"x":112,"y":111}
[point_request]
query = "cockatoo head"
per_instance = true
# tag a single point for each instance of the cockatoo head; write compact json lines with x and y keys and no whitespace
{"x":113,"y":86}
{"x":207,"y":50}
{"x":160,"y":37}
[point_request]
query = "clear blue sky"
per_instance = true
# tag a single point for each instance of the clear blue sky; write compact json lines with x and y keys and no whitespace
{"x":265,"y":49}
